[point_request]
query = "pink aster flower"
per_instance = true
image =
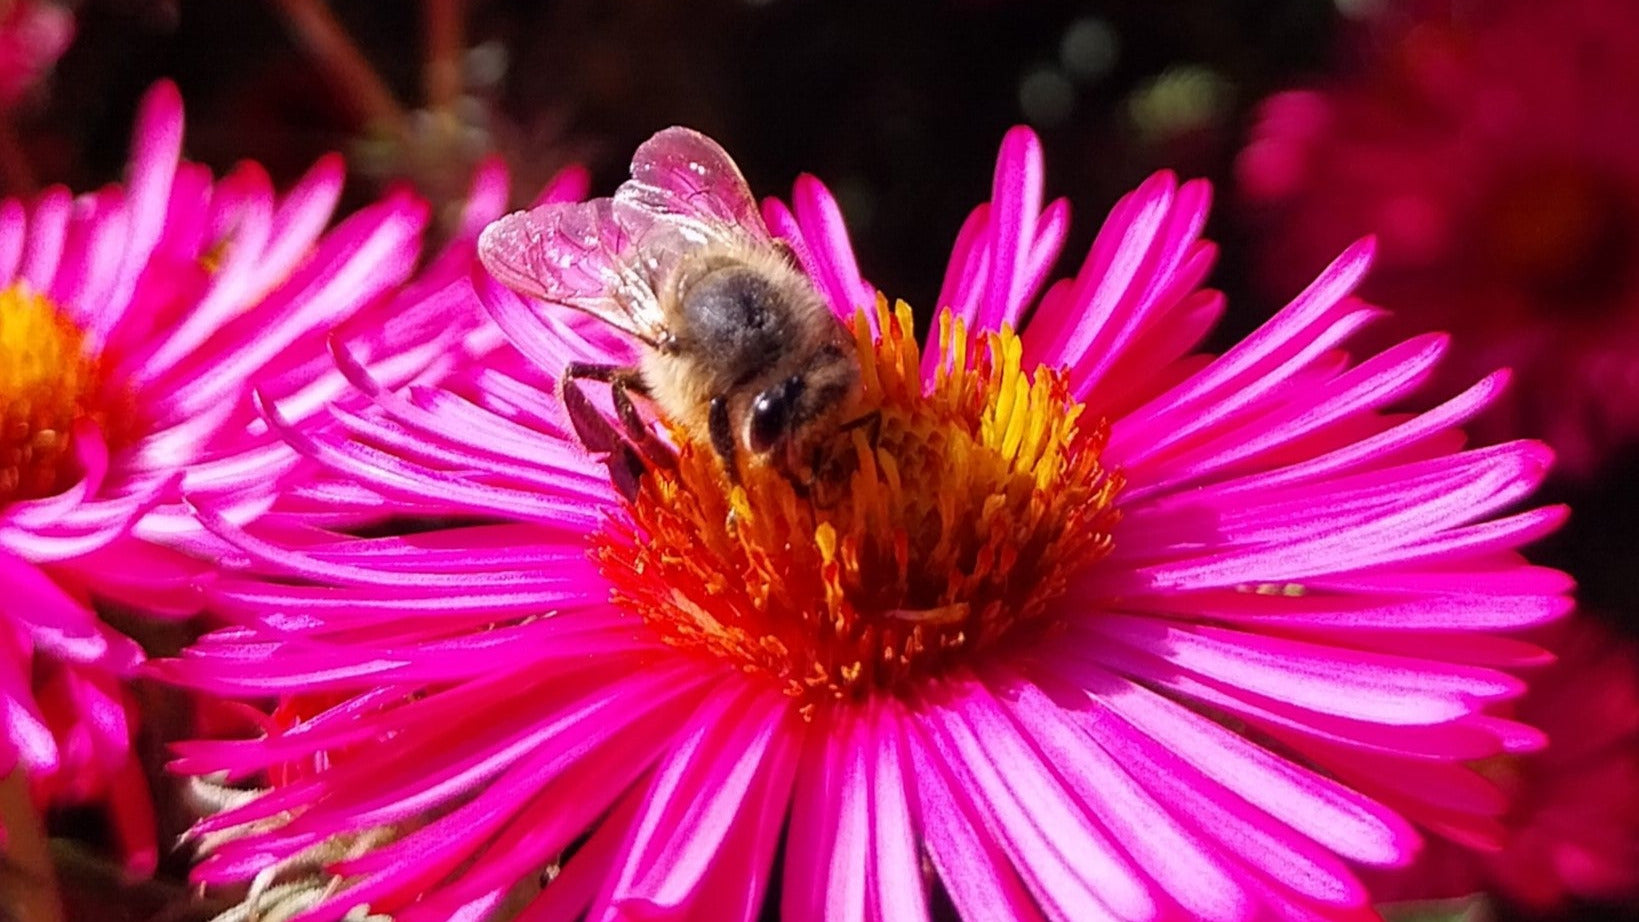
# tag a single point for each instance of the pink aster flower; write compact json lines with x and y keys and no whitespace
{"x":1083,"y":624}
{"x":1572,"y":831}
{"x":33,"y":35}
{"x":1481,"y":147}
{"x":134,"y":324}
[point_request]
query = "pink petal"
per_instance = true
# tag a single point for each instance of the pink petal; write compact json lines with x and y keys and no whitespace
{"x":980,"y":879}
{"x":1177,"y":861}
{"x":827,"y":850}
{"x":43,"y":244}
{"x":1330,"y":680}
{"x":894,"y":890}
{"x":707,"y":787}
{"x":1067,"y":861}
{"x":827,"y":244}
{"x":1333,"y":815}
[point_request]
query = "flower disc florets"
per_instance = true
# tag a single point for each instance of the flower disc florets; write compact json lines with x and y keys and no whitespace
{"x":48,"y":385}
{"x":942,"y":524}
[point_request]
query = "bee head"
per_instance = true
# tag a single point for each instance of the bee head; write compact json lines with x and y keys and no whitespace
{"x":772,"y":413}
{"x":801,"y":406}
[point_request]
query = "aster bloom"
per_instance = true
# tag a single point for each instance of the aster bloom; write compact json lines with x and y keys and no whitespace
{"x":1573,"y":827}
{"x":1478,"y":143}
{"x":1084,"y":625}
{"x":33,"y":35}
{"x":135,"y":323}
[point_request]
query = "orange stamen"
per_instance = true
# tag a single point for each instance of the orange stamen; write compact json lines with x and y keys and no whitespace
{"x":47,"y":385}
{"x":924,"y":542}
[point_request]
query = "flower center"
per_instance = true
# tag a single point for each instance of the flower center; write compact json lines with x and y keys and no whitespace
{"x":47,"y":385}
{"x":939,"y":527}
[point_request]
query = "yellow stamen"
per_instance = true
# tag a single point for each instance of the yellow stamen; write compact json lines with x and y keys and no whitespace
{"x":929,"y":537}
{"x":47,"y":385}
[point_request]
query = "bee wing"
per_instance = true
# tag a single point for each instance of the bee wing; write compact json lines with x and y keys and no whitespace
{"x":685,"y":191}
{"x":578,"y":254}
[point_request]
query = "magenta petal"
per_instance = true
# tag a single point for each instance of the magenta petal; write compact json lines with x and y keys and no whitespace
{"x":1174,"y":858}
{"x":1281,"y":334}
{"x":758,"y":835}
{"x":1465,"y":738}
{"x":980,"y":879}
{"x":244,"y":255}
{"x":487,"y":197}
{"x":13,"y":236}
{"x":708,"y":787}
{"x":26,"y":736}
{"x":368,"y":252}
{"x":589,"y":782}
{"x":573,"y":889}
{"x":101,"y":708}
{"x":827,"y":856}
{"x":968,"y":259}
{"x":1347,"y":683}
{"x":1068,"y":862}
{"x":1342,"y":820}
{"x":1145,"y":263}
{"x":1254,"y":839}
{"x":895,"y":890}
{"x":58,"y":623}
{"x":1016,"y":203}
{"x":153,"y":165}
{"x":302,"y":215}
{"x":43,"y":243}
{"x":828,"y":246}
{"x":146,"y":576}
{"x":1394,"y":778}
{"x":92,"y":250}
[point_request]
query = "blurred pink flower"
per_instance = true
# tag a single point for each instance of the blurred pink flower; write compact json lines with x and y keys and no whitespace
{"x":1573,"y":828}
{"x":1154,"y":635}
{"x":33,"y":35}
{"x":135,"y":323}
{"x":1485,"y":150}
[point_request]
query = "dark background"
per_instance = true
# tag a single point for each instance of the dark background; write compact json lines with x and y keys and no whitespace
{"x":898,"y":106}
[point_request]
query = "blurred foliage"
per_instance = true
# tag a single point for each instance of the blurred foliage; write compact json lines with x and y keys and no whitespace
{"x":898,"y":106}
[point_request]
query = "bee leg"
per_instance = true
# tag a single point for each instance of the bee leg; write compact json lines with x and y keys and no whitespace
{"x":871,"y":421}
{"x":722,"y":437}
{"x":621,"y":389}
{"x":623,"y":382}
{"x":591,"y":427}
{"x":626,"y":466}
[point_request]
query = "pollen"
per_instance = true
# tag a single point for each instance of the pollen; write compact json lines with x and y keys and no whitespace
{"x":936,"y":529}
{"x":47,"y":385}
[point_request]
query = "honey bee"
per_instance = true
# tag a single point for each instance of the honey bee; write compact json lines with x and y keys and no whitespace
{"x":740,"y":350}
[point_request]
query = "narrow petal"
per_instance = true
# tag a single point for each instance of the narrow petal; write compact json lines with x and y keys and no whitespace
{"x":1065,"y":859}
{"x":827,"y":853}
{"x":977,"y":875}
{"x":706,"y":788}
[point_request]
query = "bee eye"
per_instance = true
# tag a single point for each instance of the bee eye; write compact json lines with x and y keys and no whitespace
{"x":771,"y":414}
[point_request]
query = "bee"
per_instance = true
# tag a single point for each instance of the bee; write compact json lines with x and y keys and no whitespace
{"x":738,"y":348}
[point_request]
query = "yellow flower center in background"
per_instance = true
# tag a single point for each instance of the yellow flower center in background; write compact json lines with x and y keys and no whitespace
{"x":941,"y":530}
{"x":47,"y":385}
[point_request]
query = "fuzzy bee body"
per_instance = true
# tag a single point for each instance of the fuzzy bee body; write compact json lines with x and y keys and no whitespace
{"x":741,"y":352}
